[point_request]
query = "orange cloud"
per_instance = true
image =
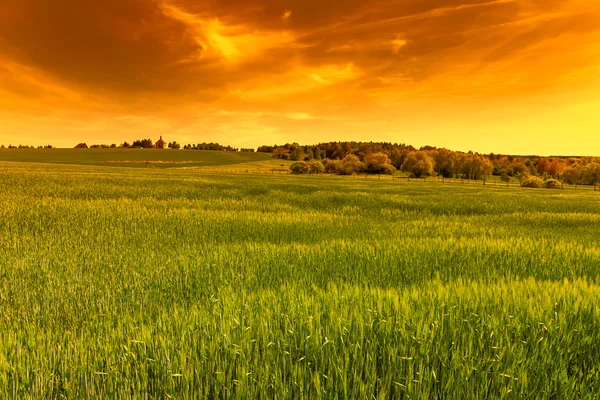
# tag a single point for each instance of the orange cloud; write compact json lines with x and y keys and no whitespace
{"x":455,"y":73}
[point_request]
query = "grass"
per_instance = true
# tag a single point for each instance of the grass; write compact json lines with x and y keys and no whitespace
{"x":165,"y":158}
{"x":153,"y":283}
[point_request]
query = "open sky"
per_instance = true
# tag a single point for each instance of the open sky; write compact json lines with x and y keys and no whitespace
{"x":503,"y":76}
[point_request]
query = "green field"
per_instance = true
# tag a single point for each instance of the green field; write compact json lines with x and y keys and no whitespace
{"x":166,"y":283}
{"x":144,"y":158}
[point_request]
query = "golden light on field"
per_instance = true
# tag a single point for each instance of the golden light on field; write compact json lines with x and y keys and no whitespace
{"x":503,"y":76}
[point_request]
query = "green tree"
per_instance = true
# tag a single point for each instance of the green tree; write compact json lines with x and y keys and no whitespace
{"x":300,"y":167}
{"x":445,"y":162}
{"x":378,"y":163}
{"x":571,"y":175}
{"x":418,"y":164}
{"x":350,"y":165}
{"x":295,"y":152}
{"x":331,"y":166}
{"x":474,"y":166}
{"x":316,"y":167}
{"x":279,"y":152}
{"x":591,"y":173}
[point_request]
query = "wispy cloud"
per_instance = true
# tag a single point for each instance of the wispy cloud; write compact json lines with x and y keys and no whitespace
{"x":219,"y":69}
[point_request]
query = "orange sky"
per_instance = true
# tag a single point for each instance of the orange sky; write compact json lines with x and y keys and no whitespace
{"x":503,"y":76}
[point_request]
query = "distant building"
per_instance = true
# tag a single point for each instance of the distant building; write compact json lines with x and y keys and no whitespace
{"x":161,"y":143}
{"x":81,"y":146}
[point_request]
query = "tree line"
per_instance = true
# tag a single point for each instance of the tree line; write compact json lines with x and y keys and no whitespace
{"x":371,"y":157}
{"x":10,"y":146}
{"x":385,"y":158}
{"x":216,"y":147}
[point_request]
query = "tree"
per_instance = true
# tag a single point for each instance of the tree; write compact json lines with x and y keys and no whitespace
{"x":571,"y":175}
{"x":295,"y":152}
{"x":474,"y":166}
{"x":445,"y":162}
{"x":279,"y":152}
{"x":299,"y":167}
{"x":316,"y":167}
{"x":554,"y":168}
{"x":331,"y":166}
{"x":418,"y":164}
{"x":378,"y":163}
{"x":350,"y":165}
{"x":591,"y":173}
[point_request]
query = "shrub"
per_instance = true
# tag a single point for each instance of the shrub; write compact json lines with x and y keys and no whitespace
{"x":552,"y":184}
{"x":418,"y":164}
{"x":378,"y":163}
{"x":350,"y":165}
{"x":303,"y":167}
{"x":331,"y":166}
{"x":316,"y":167}
{"x":531,"y":181}
{"x":299,"y":168}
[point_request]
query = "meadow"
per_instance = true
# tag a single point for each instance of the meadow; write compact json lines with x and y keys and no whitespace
{"x":141,"y":158}
{"x":165,"y":283}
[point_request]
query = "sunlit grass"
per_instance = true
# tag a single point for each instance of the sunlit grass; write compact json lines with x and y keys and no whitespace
{"x":129,"y":283}
{"x":137,"y":158}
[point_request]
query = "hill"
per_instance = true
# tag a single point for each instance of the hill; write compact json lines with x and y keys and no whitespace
{"x":141,"y":158}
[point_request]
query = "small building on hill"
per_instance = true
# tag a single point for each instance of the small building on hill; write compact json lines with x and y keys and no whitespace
{"x":161,"y":143}
{"x":81,"y":146}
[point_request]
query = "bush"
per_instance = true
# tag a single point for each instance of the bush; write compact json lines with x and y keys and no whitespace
{"x":418,"y":164}
{"x":316,"y":167}
{"x":299,"y":168}
{"x":552,"y":184}
{"x":531,"y":181}
{"x":378,"y":163}
{"x":350,"y":165}
{"x":303,"y":167}
{"x":331,"y":166}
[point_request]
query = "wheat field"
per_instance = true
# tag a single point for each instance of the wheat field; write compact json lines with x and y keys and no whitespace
{"x":153,"y":283}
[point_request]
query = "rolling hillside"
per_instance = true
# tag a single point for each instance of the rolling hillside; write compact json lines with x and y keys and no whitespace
{"x":141,"y":158}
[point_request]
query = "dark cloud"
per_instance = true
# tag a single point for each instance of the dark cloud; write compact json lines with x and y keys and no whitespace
{"x":340,"y":56}
{"x":114,"y":43}
{"x":134,"y":45}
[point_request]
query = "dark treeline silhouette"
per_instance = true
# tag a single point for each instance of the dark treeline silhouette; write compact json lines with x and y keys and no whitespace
{"x":144,"y":143}
{"x":209,"y":146}
{"x":10,"y":146}
{"x":371,"y":157}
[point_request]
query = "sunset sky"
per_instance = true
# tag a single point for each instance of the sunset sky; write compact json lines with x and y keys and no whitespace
{"x":503,"y":76}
